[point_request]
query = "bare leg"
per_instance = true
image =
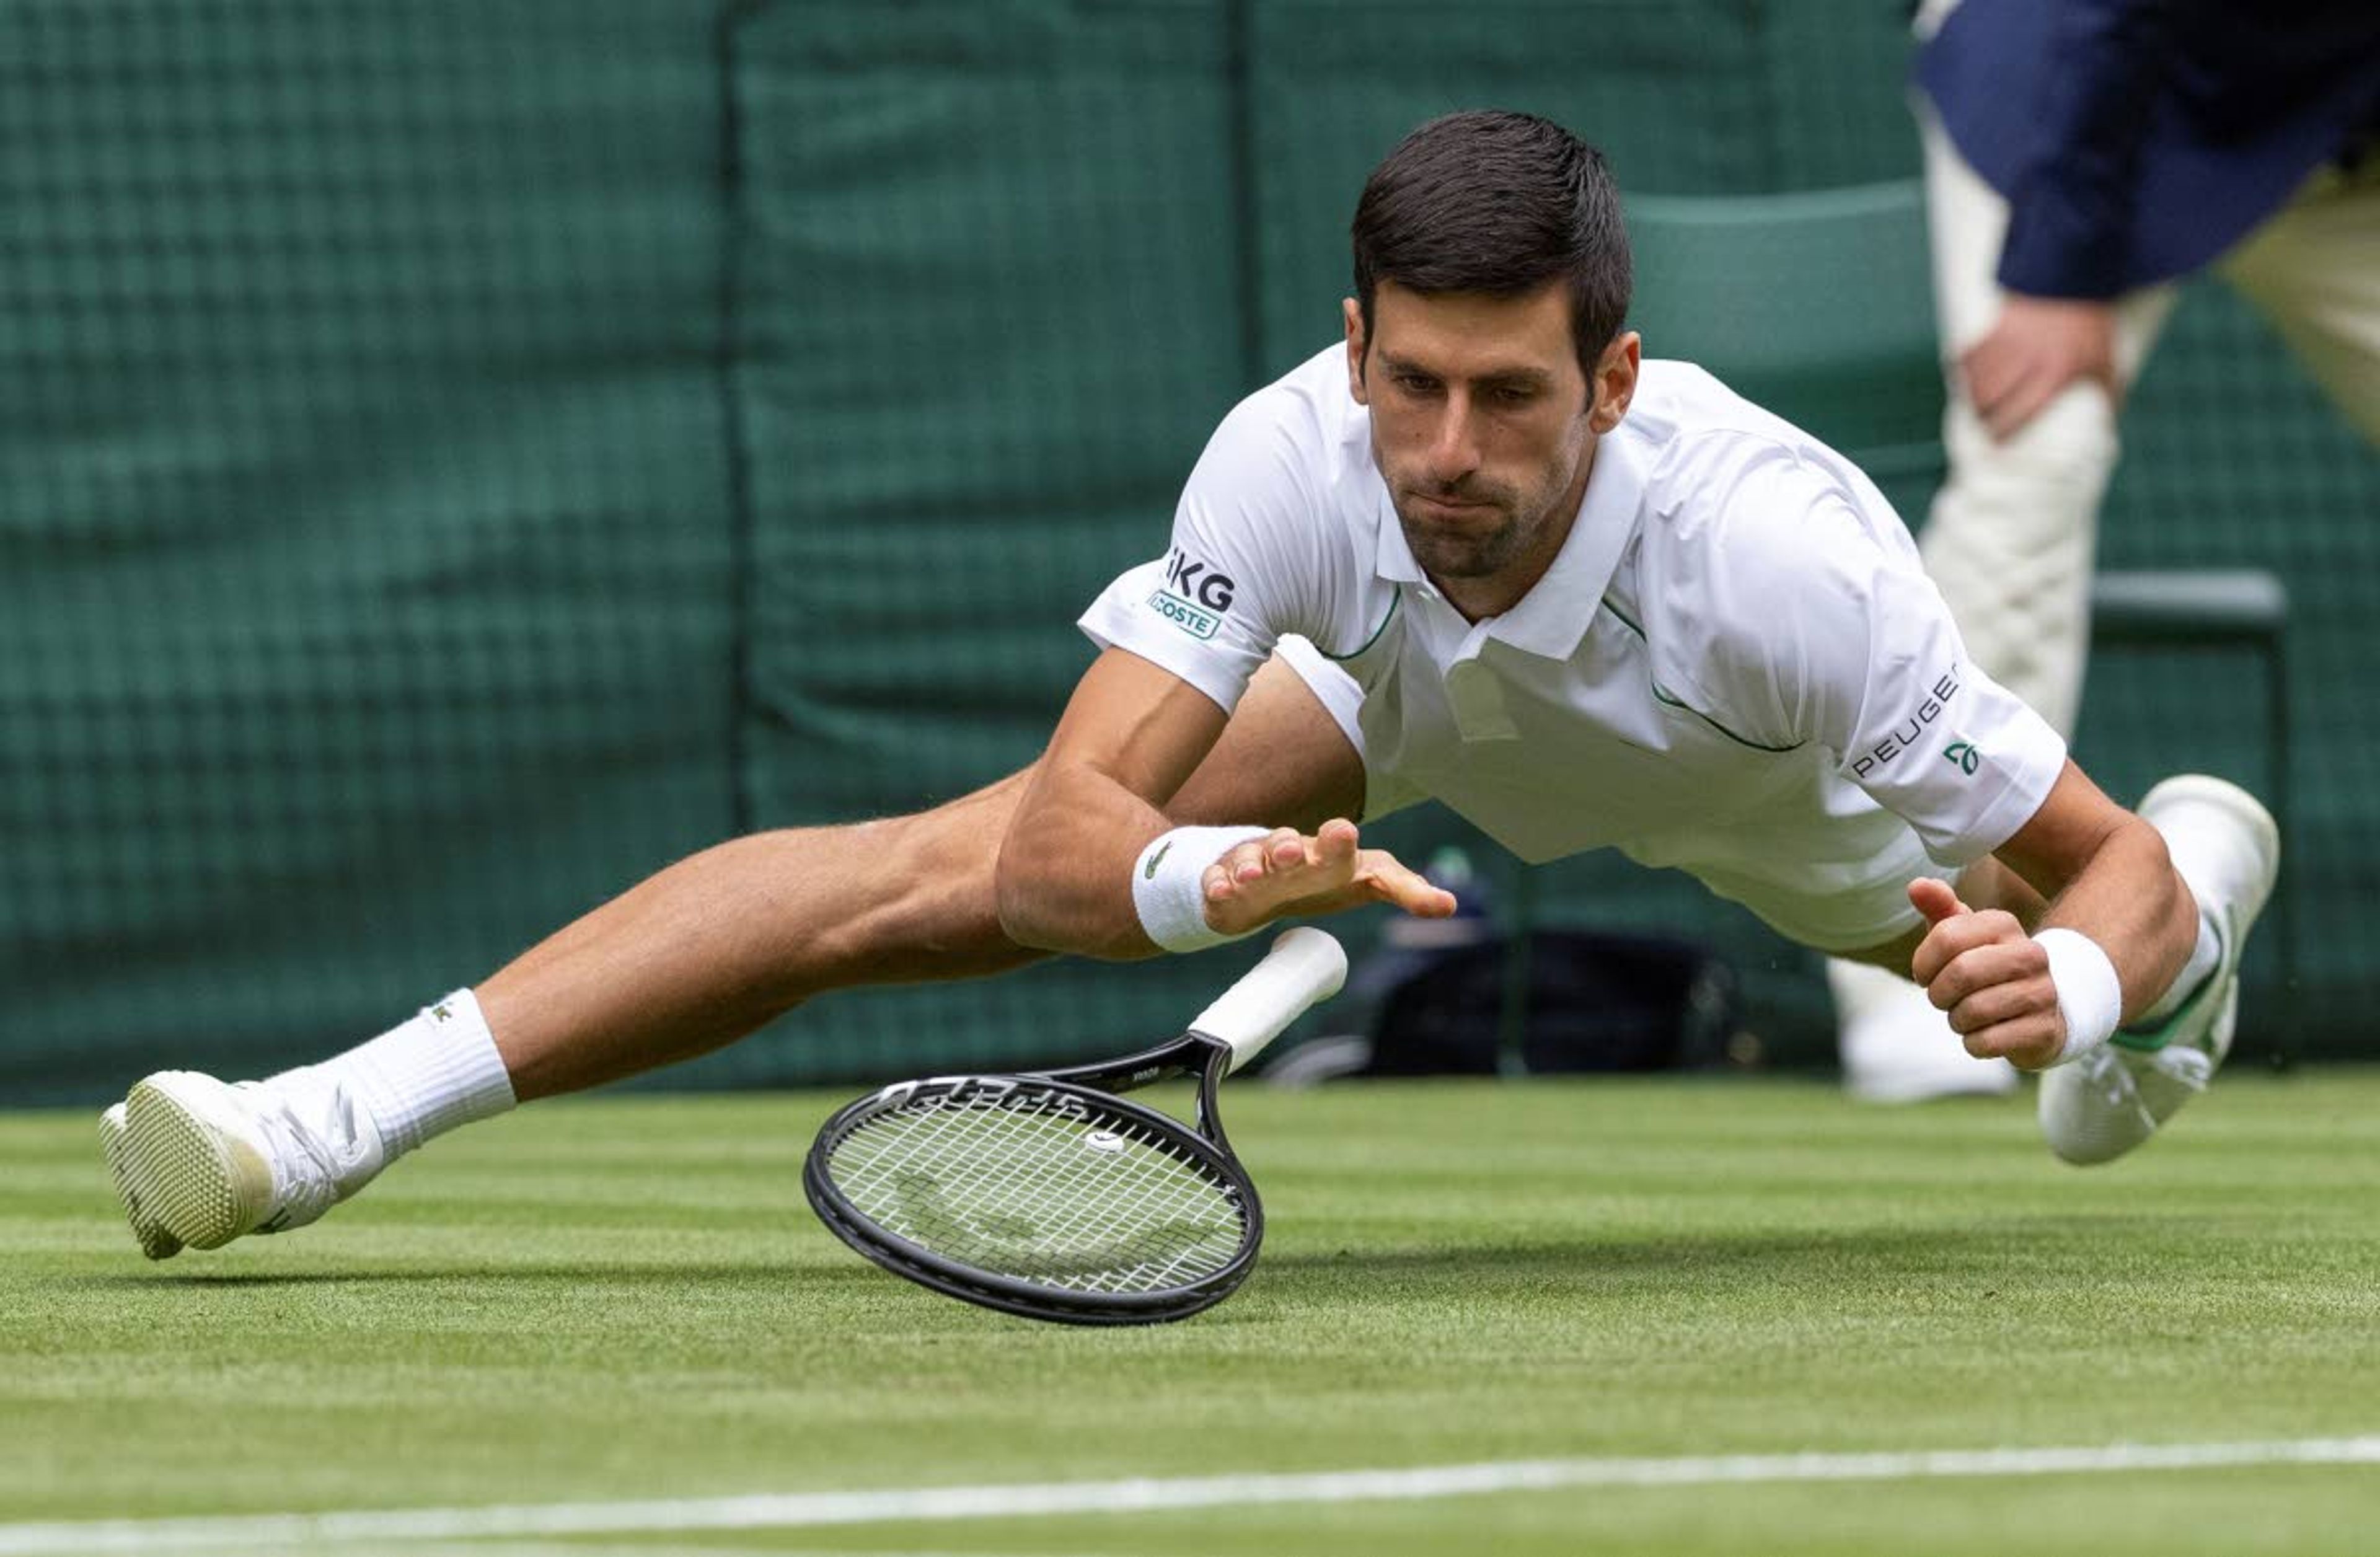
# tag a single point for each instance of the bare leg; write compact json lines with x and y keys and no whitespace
{"x":720,"y":943}
{"x":716,"y":945}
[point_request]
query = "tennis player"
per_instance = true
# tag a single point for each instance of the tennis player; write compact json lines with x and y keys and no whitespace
{"x":1480,"y":551}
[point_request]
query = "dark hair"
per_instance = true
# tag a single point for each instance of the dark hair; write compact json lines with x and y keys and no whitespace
{"x":1499,"y":204}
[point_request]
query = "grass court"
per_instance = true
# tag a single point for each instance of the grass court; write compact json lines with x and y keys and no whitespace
{"x":1658,"y":1316}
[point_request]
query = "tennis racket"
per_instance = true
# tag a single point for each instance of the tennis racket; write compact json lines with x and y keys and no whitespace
{"x":1051,"y":1196}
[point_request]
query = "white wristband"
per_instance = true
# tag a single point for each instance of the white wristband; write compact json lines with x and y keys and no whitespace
{"x":2090,"y":996}
{"x":1165,"y":890}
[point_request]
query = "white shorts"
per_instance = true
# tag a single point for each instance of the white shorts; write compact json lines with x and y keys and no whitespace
{"x":1830,"y":869}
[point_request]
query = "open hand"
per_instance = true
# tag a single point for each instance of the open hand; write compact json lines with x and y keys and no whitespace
{"x":1288,"y":874}
{"x":2037,"y":348}
{"x":1990,"y":976}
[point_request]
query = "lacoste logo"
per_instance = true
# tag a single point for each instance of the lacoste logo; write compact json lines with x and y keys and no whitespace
{"x":1149,"y":872}
{"x":1198,"y":623}
{"x":442,"y":1014}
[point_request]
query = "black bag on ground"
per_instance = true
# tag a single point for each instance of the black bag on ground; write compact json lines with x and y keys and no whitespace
{"x":1594,"y":1000}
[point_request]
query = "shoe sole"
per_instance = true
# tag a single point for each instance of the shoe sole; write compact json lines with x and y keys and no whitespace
{"x":155,"y":1242}
{"x":194,"y":1181}
{"x":2085,"y":1130}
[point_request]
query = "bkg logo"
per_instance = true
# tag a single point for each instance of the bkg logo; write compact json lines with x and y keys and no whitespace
{"x":1197,"y":580}
{"x":1964,"y":756}
{"x":1195,"y":596}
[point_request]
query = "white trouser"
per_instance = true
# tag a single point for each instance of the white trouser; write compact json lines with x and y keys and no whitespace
{"x":2012,"y":534}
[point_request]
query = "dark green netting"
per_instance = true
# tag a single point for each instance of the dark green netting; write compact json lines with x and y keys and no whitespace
{"x":456,"y":457}
{"x":363,"y":533}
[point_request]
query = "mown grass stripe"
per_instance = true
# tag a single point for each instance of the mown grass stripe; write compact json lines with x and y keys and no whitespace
{"x":796,"y":1510}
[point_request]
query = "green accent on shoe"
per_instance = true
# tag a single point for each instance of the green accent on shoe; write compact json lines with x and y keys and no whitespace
{"x":2157,"y":1038}
{"x":2148,"y":1041}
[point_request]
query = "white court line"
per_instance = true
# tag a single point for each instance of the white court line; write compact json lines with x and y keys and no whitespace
{"x":665,"y":1546}
{"x":902,"y":1505}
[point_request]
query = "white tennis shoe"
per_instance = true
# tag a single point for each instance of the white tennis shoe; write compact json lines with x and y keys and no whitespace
{"x":2228,"y":850}
{"x":199,"y":1163}
{"x":155,"y":1242}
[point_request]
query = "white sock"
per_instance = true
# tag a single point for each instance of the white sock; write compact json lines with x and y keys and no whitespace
{"x":2205,"y":957}
{"x":422,"y":1077}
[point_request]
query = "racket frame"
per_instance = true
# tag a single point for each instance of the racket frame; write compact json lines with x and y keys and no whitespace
{"x":1100,"y":1085}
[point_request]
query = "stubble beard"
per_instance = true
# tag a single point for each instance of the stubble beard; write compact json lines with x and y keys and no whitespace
{"x":1470,"y":548}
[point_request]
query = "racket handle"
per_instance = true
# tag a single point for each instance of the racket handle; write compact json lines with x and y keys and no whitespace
{"x":1304,"y":966}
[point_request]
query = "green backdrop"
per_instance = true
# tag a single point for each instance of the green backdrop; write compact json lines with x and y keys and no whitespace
{"x":456,"y":458}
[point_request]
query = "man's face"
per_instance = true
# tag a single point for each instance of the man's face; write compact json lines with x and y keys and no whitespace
{"x":1484,"y":428}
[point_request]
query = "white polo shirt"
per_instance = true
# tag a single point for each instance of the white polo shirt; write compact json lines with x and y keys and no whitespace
{"x":1735,"y":666}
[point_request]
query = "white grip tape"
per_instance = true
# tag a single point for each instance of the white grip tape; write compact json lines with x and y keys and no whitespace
{"x":1304,"y":967}
{"x":1165,"y":890}
{"x":2090,"y":996}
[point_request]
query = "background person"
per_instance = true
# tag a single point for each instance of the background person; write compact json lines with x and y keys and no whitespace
{"x":2083,"y":158}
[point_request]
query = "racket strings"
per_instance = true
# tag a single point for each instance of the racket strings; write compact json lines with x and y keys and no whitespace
{"x":1088,"y":1205}
{"x":1065,"y":1212}
{"x":1121,"y":1231}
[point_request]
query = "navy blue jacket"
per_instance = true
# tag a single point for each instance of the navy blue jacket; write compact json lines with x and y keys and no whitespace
{"x":2137,"y":139}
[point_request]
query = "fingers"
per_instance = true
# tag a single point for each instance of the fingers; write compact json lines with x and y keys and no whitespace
{"x":1989,"y":976}
{"x":1934,"y":899}
{"x":1336,"y":840}
{"x":1282,"y":855}
{"x":1992,"y":368}
{"x":1258,"y":881}
{"x":1391,"y":880}
{"x":2009,"y":388}
{"x":1984,"y":966}
{"x":1287,"y":872}
{"x":2030,"y":1041}
{"x":1955,"y":928}
{"x":1992,"y":982}
{"x":2013,"y":411}
{"x":2036,"y":349}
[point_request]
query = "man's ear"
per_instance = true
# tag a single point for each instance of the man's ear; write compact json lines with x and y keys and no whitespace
{"x":1356,"y":344}
{"x":1615,"y":381}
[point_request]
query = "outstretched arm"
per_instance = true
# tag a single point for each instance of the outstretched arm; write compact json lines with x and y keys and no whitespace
{"x":1130,"y":738}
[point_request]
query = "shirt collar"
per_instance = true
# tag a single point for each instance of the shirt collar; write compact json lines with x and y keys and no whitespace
{"x":1391,"y":558}
{"x":1553,"y":616}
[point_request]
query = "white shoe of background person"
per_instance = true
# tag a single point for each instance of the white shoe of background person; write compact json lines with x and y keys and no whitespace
{"x":2229,"y":850}
{"x":199,"y":1163}
{"x":1896,"y":1048}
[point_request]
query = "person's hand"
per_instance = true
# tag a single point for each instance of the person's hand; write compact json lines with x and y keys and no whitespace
{"x":1287,"y":874}
{"x":1990,"y":976}
{"x":2037,"y":348}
